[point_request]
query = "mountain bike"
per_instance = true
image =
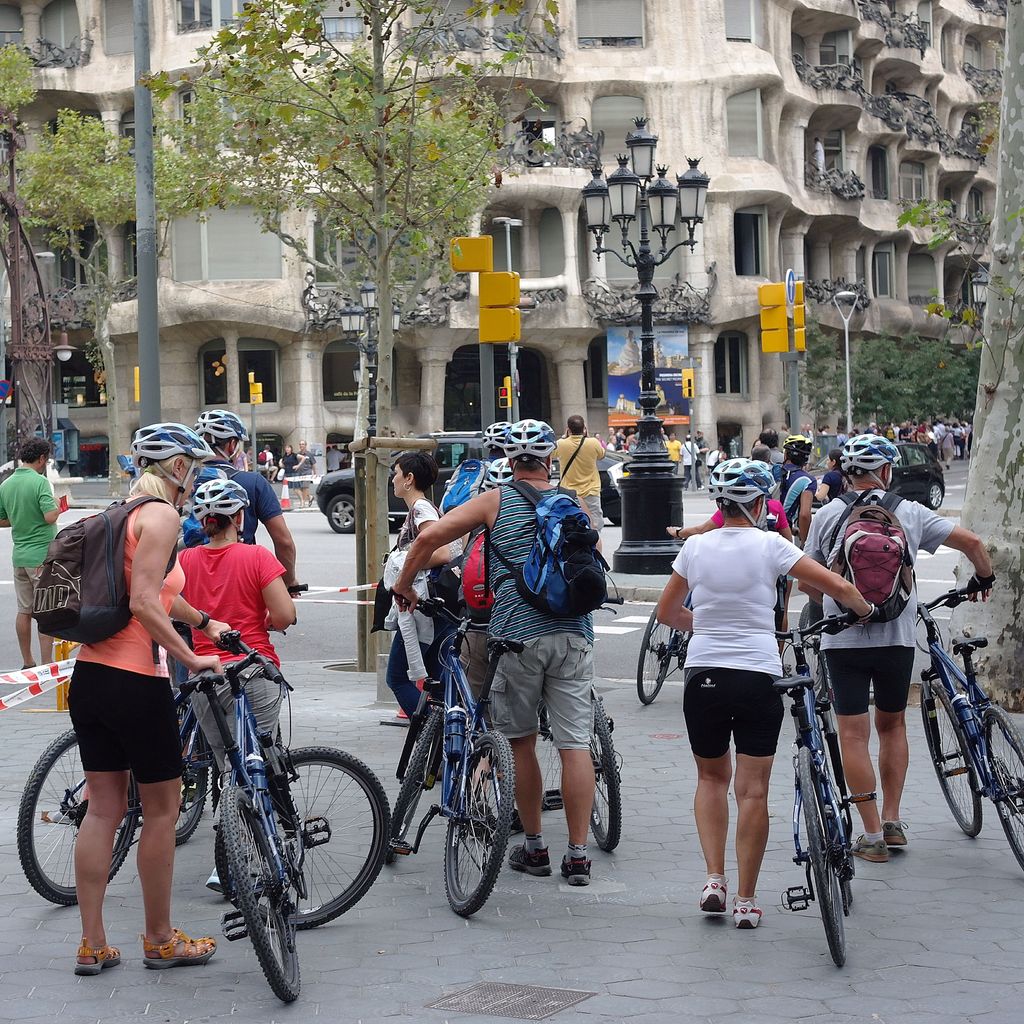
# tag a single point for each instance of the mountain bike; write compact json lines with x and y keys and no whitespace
{"x":449,"y":740}
{"x":55,"y":800}
{"x":975,"y":747}
{"x":606,"y":815}
{"x":821,"y":796}
{"x":662,"y":653}
{"x":292,"y":851}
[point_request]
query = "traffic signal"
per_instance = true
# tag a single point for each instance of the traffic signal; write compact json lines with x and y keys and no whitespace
{"x":499,"y":308}
{"x":689,"y":388}
{"x":472,"y":255}
{"x":255,"y":390}
{"x":774,"y":322}
{"x":505,"y":394}
{"x":799,"y":319}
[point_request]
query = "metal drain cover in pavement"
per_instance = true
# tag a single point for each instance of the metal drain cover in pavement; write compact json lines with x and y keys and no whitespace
{"x":521,"y":1002}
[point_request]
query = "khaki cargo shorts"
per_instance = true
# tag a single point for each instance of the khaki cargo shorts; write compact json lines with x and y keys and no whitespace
{"x":558,"y":669}
{"x":592,"y":506}
{"x":25,"y":580}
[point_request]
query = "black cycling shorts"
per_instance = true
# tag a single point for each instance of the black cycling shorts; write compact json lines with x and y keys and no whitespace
{"x":853,"y":670}
{"x":123,"y":721}
{"x":720,"y":704}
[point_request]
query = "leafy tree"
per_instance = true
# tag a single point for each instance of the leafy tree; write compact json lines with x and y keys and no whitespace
{"x":822,"y":375}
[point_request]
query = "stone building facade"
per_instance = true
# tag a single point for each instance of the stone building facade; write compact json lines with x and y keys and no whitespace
{"x":815,"y":119}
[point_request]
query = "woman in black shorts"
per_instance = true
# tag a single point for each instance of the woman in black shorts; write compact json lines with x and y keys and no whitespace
{"x":731,"y":661}
{"x":123,"y":711}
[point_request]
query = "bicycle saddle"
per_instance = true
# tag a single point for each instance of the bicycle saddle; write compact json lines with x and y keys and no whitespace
{"x":496,"y":645}
{"x":969,"y":643}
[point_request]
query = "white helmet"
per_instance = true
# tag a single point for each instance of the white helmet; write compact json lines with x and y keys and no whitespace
{"x":529,"y":437}
{"x":868,"y":452}
{"x":741,"y":480}
{"x":161,"y":441}
{"x":495,"y":434}
{"x":219,"y":497}
{"x":498,"y":472}
{"x":221,"y":425}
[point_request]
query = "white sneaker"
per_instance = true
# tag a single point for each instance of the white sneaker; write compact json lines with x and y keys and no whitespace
{"x":712,"y":899}
{"x":746,"y":914}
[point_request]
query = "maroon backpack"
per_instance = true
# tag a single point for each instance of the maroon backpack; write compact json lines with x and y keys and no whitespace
{"x":476,"y":589}
{"x":82,"y":594}
{"x":873,"y":552}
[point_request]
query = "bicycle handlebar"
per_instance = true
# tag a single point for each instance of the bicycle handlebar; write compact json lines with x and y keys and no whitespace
{"x":830,"y":624}
{"x":960,"y":594}
{"x":232,"y":642}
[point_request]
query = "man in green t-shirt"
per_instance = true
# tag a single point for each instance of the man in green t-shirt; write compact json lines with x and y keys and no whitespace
{"x":27,"y":506}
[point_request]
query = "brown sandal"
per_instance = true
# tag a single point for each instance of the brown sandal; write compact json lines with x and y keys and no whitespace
{"x":105,"y":956}
{"x":197,"y":951}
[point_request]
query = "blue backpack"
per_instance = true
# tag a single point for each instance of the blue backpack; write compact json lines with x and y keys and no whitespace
{"x":465,"y":483}
{"x":564,"y":574}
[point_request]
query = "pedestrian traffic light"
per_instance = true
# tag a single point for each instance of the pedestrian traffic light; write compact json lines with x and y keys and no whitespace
{"x":472,"y":255}
{"x":689,"y":387}
{"x":799,"y":319}
{"x":774,"y":322}
{"x":499,"y":308}
{"x":255,"y":390}
{"x":505,"y":394}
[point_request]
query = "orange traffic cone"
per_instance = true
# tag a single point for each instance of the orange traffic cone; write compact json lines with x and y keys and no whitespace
{"x":286,"y":501}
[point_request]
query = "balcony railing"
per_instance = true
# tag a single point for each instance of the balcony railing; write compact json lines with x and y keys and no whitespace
{"x":901,"y":30}
{"x":592,"y":42}
{"x":845,"y":77}
{"x":454,"y":37}
{"x":989,"y":6}
{"x":973,"y":232}
{"x":677,"y":303}
{"x":914,"y":115}
{"x":75,"y":54}
{"x":573,"y":148}
{"x":824,"y":290}
{"x":844,"y":184}
{"x":987,"y":82}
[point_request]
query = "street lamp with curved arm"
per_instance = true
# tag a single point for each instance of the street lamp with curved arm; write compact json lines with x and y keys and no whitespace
{"x":851,"y":298}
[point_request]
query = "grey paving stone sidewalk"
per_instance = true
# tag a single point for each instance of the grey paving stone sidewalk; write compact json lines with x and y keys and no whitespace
{"x":935,"y":936}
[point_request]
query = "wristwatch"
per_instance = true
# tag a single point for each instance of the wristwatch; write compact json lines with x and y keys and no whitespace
{"x":204,"y":621}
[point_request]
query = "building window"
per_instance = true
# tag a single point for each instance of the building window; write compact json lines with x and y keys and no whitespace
{"x":595,"y":369}
{"x":213,"y":373}
{"x":860,"y":264}
{"x":340,"y":363}
{"x":972,"y":52}
{"x":750,"y":233}
{"x":731,"y":364}
{"x":552,"y":243}
{"x":796,"y":44}
{"x":975,"y":204}
{"x":59,"y":23}
{"x":833,"y":143}
{"x":78,"y":387}
{"x":924,"y":15}
{"x":743,"y":20}
{"x":10,"y":25}
{"x":342,"y":25}
{"x":127,"y":127}
{"x":610,"y":23}
{"x":230,"y":245}
{"x":835,"y":48}
{"x":911,"y":180}
{"x":200,"y":14}
{"x":118,"y":27}
{"x":881,"y":272}
{"x":878,"y":164}
{"x":337,"y":260}
{"x":614,"y":116}
{"x":920,"y":278}
{"x":946,"y":48}
{"x":258,"y":356}
{"x":743,"y":124}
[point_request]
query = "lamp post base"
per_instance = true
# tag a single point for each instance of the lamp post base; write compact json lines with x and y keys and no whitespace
{"x":650,"y":502}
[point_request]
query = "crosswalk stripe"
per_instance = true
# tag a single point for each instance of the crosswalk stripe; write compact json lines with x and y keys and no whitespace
{"x":615,"y":630}
{"x":642,"y":619}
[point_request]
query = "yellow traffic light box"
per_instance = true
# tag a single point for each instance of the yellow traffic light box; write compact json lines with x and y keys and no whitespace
{"x":499,"y":308}
{"x":255,"y":390}
{"x":472,"y":255}
{"x":774,"y":321}
{"x":688,"y":384}
{"x":799,"y":319}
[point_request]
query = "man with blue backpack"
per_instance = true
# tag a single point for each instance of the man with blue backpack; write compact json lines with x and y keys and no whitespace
{"x":468,"y":479}
{"x":547,"y":579}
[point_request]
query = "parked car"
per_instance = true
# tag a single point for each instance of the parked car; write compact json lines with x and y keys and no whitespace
{"x":918,"y":476}
{"x":335,"y":496}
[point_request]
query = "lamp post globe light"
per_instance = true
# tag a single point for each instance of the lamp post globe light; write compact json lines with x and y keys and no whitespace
{"x":652,"y":493}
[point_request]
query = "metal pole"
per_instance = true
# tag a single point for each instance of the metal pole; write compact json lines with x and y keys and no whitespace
{"x":487,"y":413}
{"x":513,"y":348}
{"x":252,"y":433}
{"x":145,"y":220}
{"x":794,"y":389}
{"x":849,"y":398}
{"x":3,"y":363}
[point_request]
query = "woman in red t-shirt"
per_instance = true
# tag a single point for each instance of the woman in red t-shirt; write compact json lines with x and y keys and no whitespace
{"x":242,"y":584}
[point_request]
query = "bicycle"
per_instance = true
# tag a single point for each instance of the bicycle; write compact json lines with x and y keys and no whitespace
{"x":54,"y":802}
{"x":821,"y":796}
{"x":267,"y":843}
{"x":975,"y":747}
{"x":449,"y":739}
{"x":606,"y":815}
{"x":662,"y":653}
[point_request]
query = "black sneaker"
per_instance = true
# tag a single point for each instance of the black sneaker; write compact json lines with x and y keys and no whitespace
{"x":536,"y":863}
{"x":576,"y":871}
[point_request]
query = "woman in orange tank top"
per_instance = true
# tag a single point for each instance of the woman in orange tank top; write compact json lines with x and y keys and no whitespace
{"x":122,"y":709}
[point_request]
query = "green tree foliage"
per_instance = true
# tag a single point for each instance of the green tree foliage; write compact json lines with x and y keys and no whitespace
{"x":16,"y":90}
{"x":822,"y":375}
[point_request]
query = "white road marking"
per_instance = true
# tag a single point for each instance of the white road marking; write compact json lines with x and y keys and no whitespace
{"x":642,"y":619}
{"x":616,"y":630}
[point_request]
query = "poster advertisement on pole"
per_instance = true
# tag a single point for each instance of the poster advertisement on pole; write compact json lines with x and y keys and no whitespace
{"x":671,"y":351}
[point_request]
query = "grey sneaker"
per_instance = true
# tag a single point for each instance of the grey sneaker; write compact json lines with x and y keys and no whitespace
{"x":877,"y":852}
{"x":894,"y":833}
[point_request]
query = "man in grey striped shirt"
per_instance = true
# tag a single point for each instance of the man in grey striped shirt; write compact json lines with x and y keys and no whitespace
{"x":556,"y":664}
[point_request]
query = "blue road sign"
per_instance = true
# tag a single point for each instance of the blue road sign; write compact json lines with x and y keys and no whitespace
{"x":790,"y":287}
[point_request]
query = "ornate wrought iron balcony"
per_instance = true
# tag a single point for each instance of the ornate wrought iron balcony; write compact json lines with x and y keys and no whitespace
{"x":829,"y":76}
{"x":824,"y":290}
{"x":989,"y":6}
{"x":974,"y":232}
{"x":678,"y":302}
{"x":845,"y":184}
{"x":458,"y":37}
{"x":573,"y":148}
{"x":901,"y":30}
{"x":46,"y":54}
{"x":987,"y":82}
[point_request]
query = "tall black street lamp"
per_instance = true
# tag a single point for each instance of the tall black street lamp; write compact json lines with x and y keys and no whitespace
{"x":652,"y":493}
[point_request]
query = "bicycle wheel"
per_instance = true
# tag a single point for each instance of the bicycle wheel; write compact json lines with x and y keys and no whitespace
{"x":474,"y":848}
{"x":826,"y":882}
{"x":812,"y":645}
{"x":550,"y":762}
{"x":606,"y":815}
{"x":413,"y":784}
{"x":53,"y":804}
{"x":195,"y":783}
{"x":662,"y":652}
{"x":1006,"y":755}
{"x":265,"y":904}
{"x":951,"y":757}
{"x":344,"y":814}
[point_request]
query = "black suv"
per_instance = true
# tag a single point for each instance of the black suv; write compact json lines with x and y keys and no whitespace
{"x":336,"y":494}
{"x":917,"y":477}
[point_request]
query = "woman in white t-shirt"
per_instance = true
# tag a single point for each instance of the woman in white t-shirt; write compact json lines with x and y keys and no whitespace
{"x":731,"y":662}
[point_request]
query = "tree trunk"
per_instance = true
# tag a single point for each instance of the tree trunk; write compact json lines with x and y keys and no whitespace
{"x":994,"y":503}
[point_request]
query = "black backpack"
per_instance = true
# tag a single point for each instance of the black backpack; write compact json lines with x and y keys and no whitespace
{"x":82,"y":594}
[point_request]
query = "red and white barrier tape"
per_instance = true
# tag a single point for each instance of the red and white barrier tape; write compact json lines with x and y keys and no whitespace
{"x":40,"y":680}
{"x":352,"y":590}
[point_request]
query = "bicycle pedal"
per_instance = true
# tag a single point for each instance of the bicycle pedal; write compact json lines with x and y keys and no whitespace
{"x":400,"y":849}
{"x":797,"y":898}
{"x":233,"y":926}
{"x":316,"y":831}
{"x":551,"y":800}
